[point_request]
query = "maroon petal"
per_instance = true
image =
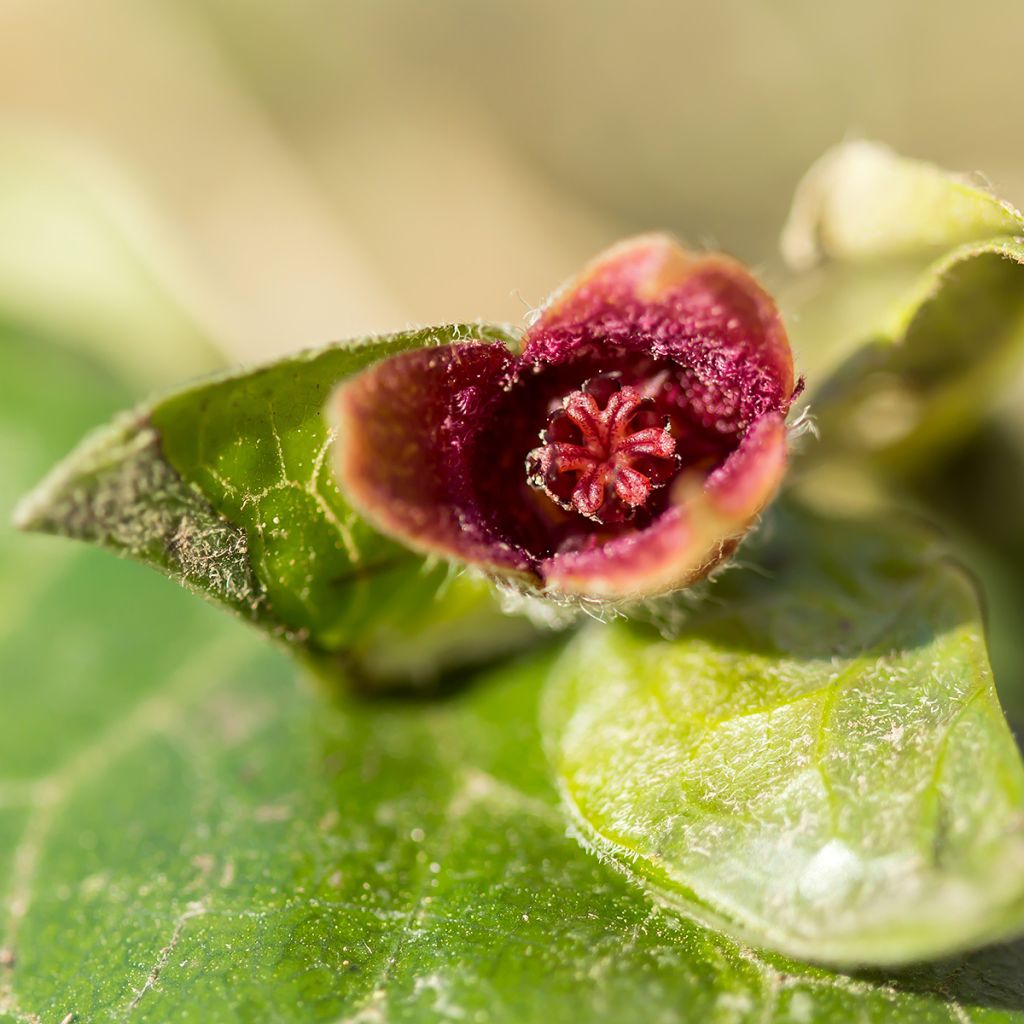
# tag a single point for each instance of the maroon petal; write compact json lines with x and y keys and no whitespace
{"x":403,"y":426}
{"x":747,"y":480}
{"x":702,"y":526}
{"x":706,"y":312}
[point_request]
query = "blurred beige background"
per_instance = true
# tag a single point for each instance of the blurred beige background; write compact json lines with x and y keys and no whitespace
{"x":265,"y":176}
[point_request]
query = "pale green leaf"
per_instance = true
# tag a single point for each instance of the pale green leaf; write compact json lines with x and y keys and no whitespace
{"x":926,"y":373}
{"x":863,"y":202}
{"x":908,"y":316}
{"x":227,"y":487}
{"x":817,"y":762}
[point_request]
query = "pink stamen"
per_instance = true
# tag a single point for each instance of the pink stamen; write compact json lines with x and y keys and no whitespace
{"x":598,"y":461}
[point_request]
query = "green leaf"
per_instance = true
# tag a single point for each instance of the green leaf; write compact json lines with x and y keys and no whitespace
{"x":929,"y":378}
{"x":817,"y":763}
{"x":916,"y":319}
{"x":226,"y":486}
{"x":977,"y":497}
{"x":187,"y":835}
{"x":863,"y":202}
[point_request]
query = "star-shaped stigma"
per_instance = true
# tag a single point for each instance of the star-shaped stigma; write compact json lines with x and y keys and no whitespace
{"x":604,"y":451}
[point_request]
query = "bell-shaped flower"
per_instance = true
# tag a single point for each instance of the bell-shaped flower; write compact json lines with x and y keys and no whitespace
{"x":622,"y":453}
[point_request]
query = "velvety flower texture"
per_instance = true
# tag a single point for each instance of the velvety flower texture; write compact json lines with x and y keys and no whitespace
{"x":622,"y":453}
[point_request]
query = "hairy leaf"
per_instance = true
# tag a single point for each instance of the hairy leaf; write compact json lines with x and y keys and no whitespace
{"x":863,"y":202}
{"x":817,"y":763}
{"x":226,"y":487}
{"x":915,"y":318}
{"x":186,"y":835}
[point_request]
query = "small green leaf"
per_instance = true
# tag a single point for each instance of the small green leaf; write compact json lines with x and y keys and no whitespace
{"x":930,"y":376}
{"x":861,"y":202}
{"x":226,"y":486}
{"x":916,"y":319}
{"x":817,"y":763}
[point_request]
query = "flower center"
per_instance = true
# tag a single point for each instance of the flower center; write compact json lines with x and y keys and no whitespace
{"x":604,"y":451}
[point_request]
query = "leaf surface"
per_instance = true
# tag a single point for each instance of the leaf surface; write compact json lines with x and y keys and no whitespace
{"x":818,"y":762}
{"x":186,"y":834}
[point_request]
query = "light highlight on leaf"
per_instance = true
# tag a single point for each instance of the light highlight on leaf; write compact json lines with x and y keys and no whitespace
{"x":863,"y":202}
{"x":818,"y":763}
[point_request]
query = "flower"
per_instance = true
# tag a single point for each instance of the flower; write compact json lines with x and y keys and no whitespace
{"x":623,"y":453}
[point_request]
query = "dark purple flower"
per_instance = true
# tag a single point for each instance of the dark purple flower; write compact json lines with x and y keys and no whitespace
{"x":622,"y":453}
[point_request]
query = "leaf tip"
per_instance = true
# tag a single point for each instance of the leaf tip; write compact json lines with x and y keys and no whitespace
{"x":27,"y":516}
{"x":34,"y":512}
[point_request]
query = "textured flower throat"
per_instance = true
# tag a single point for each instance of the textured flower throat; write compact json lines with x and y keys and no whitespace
{"x":604,"y":451}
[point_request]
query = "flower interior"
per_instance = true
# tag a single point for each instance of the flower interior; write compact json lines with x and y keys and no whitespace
{"x":574,"y":455}
{"x":621,"y":453}
{"x":605,"y":449}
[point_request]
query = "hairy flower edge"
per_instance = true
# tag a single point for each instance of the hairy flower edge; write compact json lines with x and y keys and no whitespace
{"x":434,"y":446}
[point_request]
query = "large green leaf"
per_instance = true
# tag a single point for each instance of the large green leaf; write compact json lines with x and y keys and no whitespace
{"x":910,"y":317}
{"x":186,"y":834}
{"x":226,"y":486}
{"x":817,"y":762}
